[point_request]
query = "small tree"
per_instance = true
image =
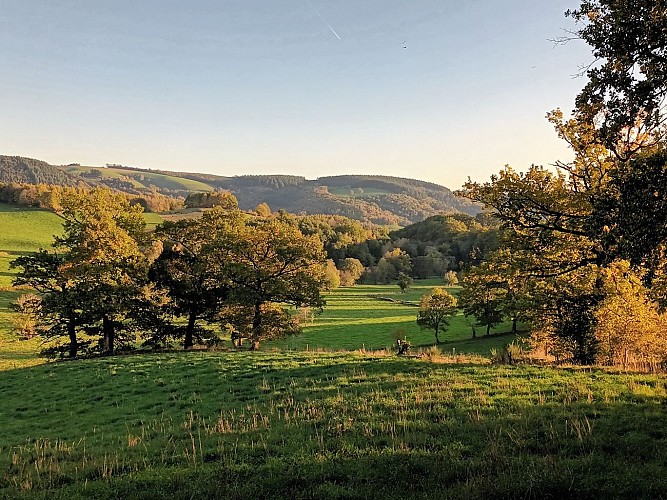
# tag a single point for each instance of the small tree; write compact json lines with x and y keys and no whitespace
{"x":350,"y":271}
{"x":450,"y":278}
{"x":331,"y":278}
{"x":404,"y":282}
{"x":26,"y":323}
{"x":435,"y":310}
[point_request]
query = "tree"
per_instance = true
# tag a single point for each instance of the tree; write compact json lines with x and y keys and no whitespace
{"x":263,"y":210}
{"x":627,"y":82}
{"x":482,"y":295}
{"x":59,"y":312}
{"x":451,"y":278}
{"x":567,"y":228}
{"x":398,"y":262}
{"x":350,"y":271}
{"x":26,"y":323}
{"x":271,"y":262}
{"x":629,"y":324}
{"x":404,"y":282}
{"x":103,"y":237}
{"x":96,"y":276}
{"x":190,"y":268}
{"x":435,"y":310}
{"x":331,"y":276}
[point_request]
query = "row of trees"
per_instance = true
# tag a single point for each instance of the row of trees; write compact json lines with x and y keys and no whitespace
{"x":50,"y":196}
{"x":583,"y":246}
{"x":108,"y":281}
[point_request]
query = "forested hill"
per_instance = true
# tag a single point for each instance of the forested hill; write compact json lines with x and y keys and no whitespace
{"x":370,"y":198}
{"x":29,"y":171}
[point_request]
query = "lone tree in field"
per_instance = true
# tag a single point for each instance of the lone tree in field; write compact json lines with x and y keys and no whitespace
{"x":435,"y":310}
{"x":404,"y":282}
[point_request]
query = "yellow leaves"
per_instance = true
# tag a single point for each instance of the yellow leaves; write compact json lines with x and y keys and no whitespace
{"x":629,"y":325}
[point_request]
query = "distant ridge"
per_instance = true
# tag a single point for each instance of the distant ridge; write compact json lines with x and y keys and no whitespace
{"x":29,"y":171}
{"x":377,"y":199}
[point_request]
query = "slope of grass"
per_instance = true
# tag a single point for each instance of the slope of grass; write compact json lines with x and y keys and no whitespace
{"x":23,"y":230}
{"x":145,"y":178}
{"x":304,"y":425}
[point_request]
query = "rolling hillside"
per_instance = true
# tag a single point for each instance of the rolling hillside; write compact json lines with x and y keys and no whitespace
{"x":370,"y":198}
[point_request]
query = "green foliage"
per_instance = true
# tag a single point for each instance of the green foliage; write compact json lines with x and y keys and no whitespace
{"x":331,"y":276}
{"x":269,"y":261}
{"x":96,"y":276}
{"x":223,"y":199}
{"x":627,"y":86}
{"x":350,"y":271}
{"x":435,"y":311}
{"x":404,"y":282}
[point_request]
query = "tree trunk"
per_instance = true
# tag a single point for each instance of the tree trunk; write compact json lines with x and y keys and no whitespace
{"x":513,"y":325}
{"x":108,"y":335}
{"x":437,"y":338}
{"x":73,"y":343}
{"x":474,"y":332}
{"x":488,"y":329}
{"x":256,"y":326}
{"x":189,"y":331}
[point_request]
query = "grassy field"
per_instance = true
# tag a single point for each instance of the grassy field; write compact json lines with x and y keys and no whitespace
{"x":313,"y":425}
{"x":291,"y":423}
{"x":23,"y":230}
{"x":356,"y":318}
{"x":145,"y":179}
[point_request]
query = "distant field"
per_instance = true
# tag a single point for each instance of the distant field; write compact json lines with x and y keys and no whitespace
{"x":145,"y":179}
{"x":352,"y":320}
{"x":356,"y":192}
{"x":23,"y":230}
{"x":152,"y":219}
{"x":309,"y":425}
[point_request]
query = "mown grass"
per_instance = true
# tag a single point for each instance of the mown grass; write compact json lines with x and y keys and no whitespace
{"x":309,"y":425}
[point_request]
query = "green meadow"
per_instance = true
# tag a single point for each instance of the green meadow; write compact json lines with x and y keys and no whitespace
{"x":375,"y":316}
{"x":327,"y":425}
{"x":144,"y":179}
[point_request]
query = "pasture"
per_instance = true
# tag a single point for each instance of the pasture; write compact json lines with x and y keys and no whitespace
{"x":328,"y":425}
{"x":375,"y":316}
{"x":144,"y":179}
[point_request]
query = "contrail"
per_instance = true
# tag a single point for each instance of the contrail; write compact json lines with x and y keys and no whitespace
{"x":323,"y":20}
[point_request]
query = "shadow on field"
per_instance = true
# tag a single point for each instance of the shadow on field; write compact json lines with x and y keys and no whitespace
{"x":304,"y":425}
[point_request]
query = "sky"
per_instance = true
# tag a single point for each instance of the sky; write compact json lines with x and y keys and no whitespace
{"x":432,"y":90}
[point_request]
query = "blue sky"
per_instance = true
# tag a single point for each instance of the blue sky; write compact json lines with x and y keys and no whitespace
{"x":433,"y":90}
